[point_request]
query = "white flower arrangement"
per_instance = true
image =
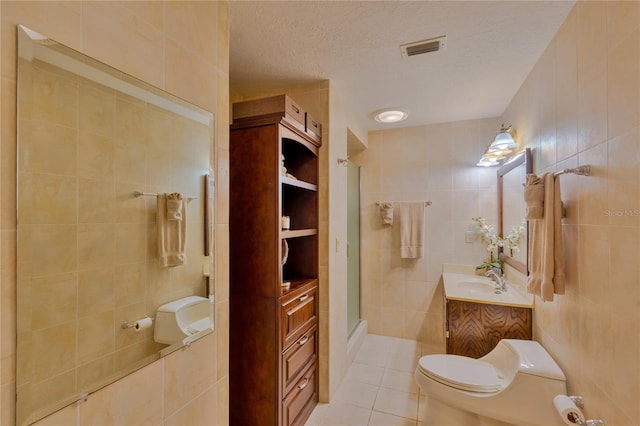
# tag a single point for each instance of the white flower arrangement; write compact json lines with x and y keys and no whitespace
{"x":493,"y":241}
{"x":512,"y":240}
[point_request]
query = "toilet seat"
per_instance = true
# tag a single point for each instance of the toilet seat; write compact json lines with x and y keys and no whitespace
{"x":459,"y":372}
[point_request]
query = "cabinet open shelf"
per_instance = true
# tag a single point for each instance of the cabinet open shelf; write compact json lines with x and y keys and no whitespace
{"x":299,"y":183}
{"x":295,"y":233}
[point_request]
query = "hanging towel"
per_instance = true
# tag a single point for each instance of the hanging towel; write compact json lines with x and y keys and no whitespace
{"x":386,"y":212}
{"x":171,"y":234}
{"x":412,"y":230}
{"x":546,"y":256}
{"x":534,"y":197}
{"x":174,"y":206}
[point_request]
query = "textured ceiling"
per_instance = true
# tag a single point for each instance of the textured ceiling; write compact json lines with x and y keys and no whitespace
{"x":491,"y":46}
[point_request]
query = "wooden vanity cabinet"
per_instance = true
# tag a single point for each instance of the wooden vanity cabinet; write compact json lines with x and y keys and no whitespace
{"x":273,"y":340}
{"x":474,"y":329}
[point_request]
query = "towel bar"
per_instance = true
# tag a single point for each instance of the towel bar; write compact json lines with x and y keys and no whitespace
{"x":153,"y":194}
{"x":580,"y":170}
{"x":379,"y":203}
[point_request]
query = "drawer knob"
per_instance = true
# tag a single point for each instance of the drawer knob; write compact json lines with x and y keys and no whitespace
{"x":303,"y":340}
{"x":304,"y":384}
{"x":303,"y":298}
{"x":295,"y":108}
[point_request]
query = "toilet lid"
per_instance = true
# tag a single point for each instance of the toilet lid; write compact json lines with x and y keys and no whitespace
{"x":461,"y":372}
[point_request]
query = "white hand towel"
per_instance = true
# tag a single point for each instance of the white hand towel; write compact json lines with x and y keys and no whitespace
{"x":412,"y":230}
{"x":172,"y":234}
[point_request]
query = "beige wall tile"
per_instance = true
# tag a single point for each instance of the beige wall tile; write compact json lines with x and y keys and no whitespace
{"x":54,"y":300}
{"x":35,"y":255}
{"x":201,"y":410}
{"x":96,"y":246}
{"x":623,"y":86}
{"x":95,"y":336}
{"x":96,"y":201}
{"x":96,"y":156}
{"x":96,"y":291}
{"x":106,"y":26}
{"x":48,"y":148}
{"x":189,"y":24}
{"x":131,"y":243}
{"x":95,"y":372}
{"x":189,"y":76}
{"x":184,"y":377}
{"x":97,"y":109}
{"x":47,"y":199}
{"x":623,"y":202}
{"x":55,"y":97}
{"x":59,"y":344}
{"x":592,"y":106}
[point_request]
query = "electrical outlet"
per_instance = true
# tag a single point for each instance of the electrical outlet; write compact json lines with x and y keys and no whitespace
{"x":469,"y":236}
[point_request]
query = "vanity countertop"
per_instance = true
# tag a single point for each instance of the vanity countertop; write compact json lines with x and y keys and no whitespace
{"x":461,"y":283}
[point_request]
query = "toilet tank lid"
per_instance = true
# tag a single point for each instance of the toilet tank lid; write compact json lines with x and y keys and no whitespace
{"x":185,"y":302}
{"x":534,"y":359}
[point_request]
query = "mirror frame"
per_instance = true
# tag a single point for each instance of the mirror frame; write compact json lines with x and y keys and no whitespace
{"x":522,"y":158}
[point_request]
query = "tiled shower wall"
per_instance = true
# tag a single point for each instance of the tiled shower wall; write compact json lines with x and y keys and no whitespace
{"x":581,"y":106}
{"x":181,"y":47}
{"x":403,"y":297}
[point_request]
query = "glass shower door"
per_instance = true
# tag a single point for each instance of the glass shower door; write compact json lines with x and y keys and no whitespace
{"x":353,"y":248}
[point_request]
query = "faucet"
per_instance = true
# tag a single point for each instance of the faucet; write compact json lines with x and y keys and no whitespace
{"x":496,"y":275}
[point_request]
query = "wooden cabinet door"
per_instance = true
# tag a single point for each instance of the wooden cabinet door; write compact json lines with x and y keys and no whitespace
{"x":474,"y":329}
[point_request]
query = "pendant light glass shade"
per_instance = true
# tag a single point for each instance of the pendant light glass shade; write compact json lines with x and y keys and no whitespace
{"x":503,"y":140}
{"x":502,"y":145}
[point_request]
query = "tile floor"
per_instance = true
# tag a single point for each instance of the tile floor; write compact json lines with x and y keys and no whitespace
{"x":379,"y":388}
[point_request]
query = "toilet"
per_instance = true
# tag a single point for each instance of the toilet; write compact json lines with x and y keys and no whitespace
{"x":515,"y":383}
{"x":182,"y":318}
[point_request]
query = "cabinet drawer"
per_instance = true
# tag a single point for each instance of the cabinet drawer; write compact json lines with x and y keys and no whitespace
{"x":313,"y":128}
{"x":293,"y":111}
{"x":297,"y":315}
{"x":299,"y":403}
{"x":298,"y":357}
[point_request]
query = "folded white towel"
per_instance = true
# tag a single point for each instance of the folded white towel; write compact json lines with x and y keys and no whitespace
{"x":174,"y":206}
{"x":386,"y":212}
{"x":172,"y":235}
{"x":534,"y":197}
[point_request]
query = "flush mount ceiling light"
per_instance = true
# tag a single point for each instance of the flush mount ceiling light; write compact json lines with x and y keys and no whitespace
{"x":390,"y":115}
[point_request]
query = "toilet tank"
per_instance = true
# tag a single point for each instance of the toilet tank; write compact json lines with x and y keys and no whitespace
{"x":534,"y":359}
{"x":181,"y":318}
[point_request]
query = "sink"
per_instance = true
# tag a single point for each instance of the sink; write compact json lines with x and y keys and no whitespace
{"x":479,"y":289}
{"x":476,"y":286}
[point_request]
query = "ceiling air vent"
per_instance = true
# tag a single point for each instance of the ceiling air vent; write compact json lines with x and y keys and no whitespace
{"x":424,"y":46}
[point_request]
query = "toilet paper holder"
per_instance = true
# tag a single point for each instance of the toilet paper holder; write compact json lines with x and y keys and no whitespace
{"x":591,"y":422}
{"x":126,"y":325}
{"x":579,"y":401}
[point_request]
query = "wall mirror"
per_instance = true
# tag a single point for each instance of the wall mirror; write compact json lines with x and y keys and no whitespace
{"x":511,"y":207}
{"x":95,"y":146}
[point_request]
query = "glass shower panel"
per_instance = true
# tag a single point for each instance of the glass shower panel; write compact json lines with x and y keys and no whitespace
{"x":353,"y":252}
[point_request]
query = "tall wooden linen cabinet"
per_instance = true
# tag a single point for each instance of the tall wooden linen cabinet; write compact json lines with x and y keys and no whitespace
{"x":273,"y":360}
